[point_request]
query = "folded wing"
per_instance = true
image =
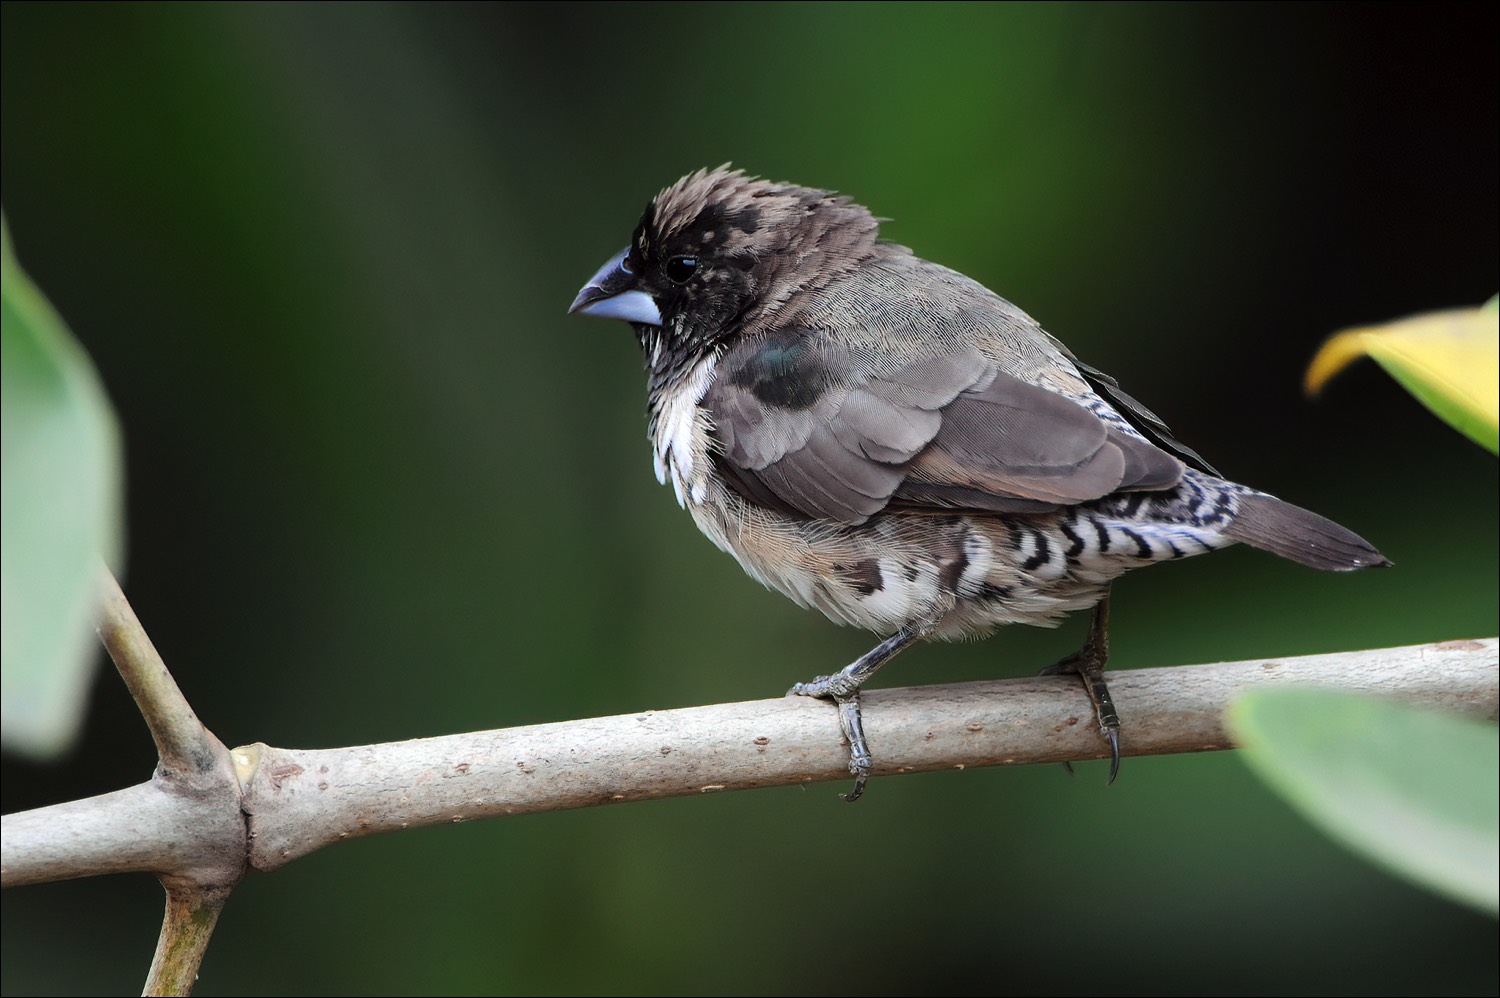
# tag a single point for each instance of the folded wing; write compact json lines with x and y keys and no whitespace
{"x":837,"y":435}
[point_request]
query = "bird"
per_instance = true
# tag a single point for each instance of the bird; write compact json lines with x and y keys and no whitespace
{"x":882,"y":439}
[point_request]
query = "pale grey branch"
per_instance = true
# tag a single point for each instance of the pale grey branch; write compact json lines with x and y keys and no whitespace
{"x":299,"y":801}
{"x":185,"y":826}
{"x":186,"y":748}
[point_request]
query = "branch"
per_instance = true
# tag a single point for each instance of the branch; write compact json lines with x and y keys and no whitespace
{"x":185,"y":747}
{"x":192,"y":913}
{"x":208,"y":815}
{"x":301,"y":800}
{"x":185,"y":825}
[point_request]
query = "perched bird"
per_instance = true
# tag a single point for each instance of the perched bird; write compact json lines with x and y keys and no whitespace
{"x":887,"y":441}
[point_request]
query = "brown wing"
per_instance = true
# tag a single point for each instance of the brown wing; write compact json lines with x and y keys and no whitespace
{"x":806,"y":427}
{"x":1011,"y":447}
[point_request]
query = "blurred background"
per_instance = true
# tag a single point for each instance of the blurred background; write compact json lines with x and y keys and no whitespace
{"x":381,"y":487}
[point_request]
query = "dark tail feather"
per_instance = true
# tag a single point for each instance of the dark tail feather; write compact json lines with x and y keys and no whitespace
{"x":1292,"y":532}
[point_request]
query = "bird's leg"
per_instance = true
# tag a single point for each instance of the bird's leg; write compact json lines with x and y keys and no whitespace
{"x":843,"y":689}
{"x":1088,"y":664}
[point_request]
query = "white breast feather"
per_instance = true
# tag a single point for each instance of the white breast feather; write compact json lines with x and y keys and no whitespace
{"x":680,"y":437}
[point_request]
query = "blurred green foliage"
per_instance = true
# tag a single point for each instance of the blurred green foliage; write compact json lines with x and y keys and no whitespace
{"x":1416,"y":790}
{"x":380,"y":486}
{"x":60,"y":458}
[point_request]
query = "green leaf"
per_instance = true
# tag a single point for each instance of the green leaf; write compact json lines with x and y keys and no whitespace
{"x":1414,"y":790}
{"x":59,"y":513}
{"x":1449,"y":360}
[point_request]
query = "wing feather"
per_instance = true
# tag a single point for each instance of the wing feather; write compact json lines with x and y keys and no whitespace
{"x":839,"y":436}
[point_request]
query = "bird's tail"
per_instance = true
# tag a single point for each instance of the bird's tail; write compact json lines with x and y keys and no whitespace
{"x":1292,"y":532}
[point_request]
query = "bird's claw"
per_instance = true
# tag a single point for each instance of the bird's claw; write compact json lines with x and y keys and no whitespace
{"x":1088,"y":665}
{"x":859,"y":787}
{"x":1111,"y":735}
{"x":837,"y":687}
{"x":845,"y":696}
{"x":843,"y":689}
{"x":853,"y":726}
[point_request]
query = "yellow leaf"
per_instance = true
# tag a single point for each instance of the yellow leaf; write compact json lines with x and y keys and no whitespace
{"x":1449,"y":360}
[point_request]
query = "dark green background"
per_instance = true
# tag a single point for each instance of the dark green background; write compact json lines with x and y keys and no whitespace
{"x":380,"y":486}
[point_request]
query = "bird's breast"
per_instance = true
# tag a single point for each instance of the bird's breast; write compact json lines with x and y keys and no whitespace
{"x":679,"y":430}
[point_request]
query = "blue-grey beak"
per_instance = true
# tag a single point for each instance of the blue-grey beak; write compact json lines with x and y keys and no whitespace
{"x":611,"y":294}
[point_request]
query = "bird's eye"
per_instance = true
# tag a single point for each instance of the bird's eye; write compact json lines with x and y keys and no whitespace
{"x":680,"y":268}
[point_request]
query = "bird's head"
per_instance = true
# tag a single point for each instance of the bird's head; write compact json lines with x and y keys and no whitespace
{"x":719,"y":255}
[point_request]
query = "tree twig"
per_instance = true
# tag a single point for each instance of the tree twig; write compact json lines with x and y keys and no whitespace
{"x":301,"y":800}
{"x":185,"y":825}
{"x":184,"y":746}
{"x":191,"y":829}
{"x":192,"y":913}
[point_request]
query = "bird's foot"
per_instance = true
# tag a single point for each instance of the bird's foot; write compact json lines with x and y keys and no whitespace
{"x":1085,"y":666}
{"x":1087,"y":663}
{"x":838,"y":687}
{"x":843,"y":689}
{"x":844,"y":693}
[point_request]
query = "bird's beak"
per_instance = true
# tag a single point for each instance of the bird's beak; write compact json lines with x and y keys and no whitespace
{"x":612,"y":294}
